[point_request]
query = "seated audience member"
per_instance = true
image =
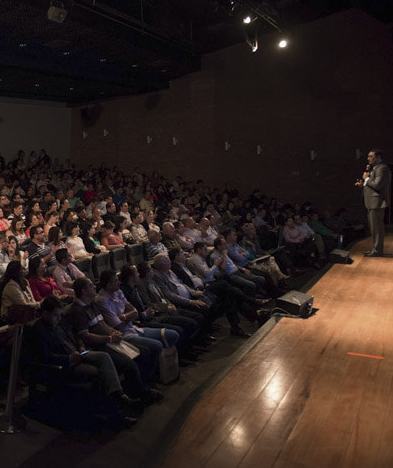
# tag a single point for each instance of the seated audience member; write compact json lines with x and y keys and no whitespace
{"x":302,"y":224}
{"x":153,"y":297}
{"x":211,"y":211}
{"x":74,"y":242}
{"x":124,"y":212}
{"x":69,"y":217}
{"x":51,"y":220}
{"x":122,"y":231}
{"x":56,"y":343}
{"x":17,"y":229}
{"x":169,"y":236}
{"x":190,"y":230}
{"x":17,"y":212}
{"x":329,"y":237}
{"x":41,"y":284}
{"x":293,"y":234}
{"x":149,"y":221}
{"x":186,"y":243}
{"x":32,"y":220}
{"x":154,"y":315}
{"x":89,"y":323}
{"x":179,"y":267}
{"x":38,"y":248}
{"x":110,"y":214}
{"x":65,"y":272}
{"x":15,"y":253}
{"x":55,"y":239}
{"x":154,"y":246}
{"x":245,"y":256}
{"x":238,"y":276}
{"x":138,"y":232}
{"x":174,"y":289}
{"x":92,"y":244}
{"x":16,"y":289}
{"x":96,"y":217}
{"x":109,"y":239}
{"x":82,"y":218}
{"x":191,"y":302}
{"x":208,"y":233}
{"x":119,"y":314}
{"x":296,"y":240}
{"x":146,"y":203}
{"x":252,"y":244}
{"x":4,"y":254}
{"x":4,"y":223}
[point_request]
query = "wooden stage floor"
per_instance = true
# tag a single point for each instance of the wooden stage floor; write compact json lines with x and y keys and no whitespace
{"x":298,"y":399}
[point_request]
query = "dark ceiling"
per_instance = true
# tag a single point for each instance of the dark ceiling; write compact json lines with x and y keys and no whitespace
{"x":108,"y":48}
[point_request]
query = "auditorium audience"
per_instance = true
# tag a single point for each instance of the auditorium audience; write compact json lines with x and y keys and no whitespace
{"x":213,"y":253}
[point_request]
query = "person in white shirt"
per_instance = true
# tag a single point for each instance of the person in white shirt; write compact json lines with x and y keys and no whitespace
{"x":74,"y":242}
{"x":207,"y":233}
{"x":302,"y":224}
{"x":124,"y":212}
{"x":190,"y":230}
{"x":138,"y":232}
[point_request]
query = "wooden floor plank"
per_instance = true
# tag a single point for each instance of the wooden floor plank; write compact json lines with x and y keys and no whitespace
{"x":297,"y":398}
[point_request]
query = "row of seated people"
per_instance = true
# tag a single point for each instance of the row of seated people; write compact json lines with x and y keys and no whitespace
{"x":148,"y":307}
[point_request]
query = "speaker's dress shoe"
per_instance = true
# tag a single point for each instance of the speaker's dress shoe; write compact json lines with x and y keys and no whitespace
{"x":373,"y":254}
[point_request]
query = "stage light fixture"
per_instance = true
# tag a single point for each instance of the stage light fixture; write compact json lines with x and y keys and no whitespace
{"x":247,"y":19}
{"x":283,"y":44}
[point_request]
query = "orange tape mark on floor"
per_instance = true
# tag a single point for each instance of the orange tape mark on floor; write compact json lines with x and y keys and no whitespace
{"x":369,"y":356}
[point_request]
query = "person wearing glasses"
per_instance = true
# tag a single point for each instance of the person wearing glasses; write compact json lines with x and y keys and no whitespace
{"x":39,"y":248}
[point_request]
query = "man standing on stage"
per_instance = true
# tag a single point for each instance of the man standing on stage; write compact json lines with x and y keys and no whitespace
{"x":376,"y":190}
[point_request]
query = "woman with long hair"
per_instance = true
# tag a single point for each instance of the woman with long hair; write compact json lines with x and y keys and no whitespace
{"x":41,"y":284}
{"x":75,"y":243}
{"x":15,"y":253}
{"x":92,"y":244}
{"x":17,"y":229}
{"x":51,"y":220}
{"x":16,"y":289}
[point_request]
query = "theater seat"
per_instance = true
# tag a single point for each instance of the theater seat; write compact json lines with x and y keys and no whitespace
{"x":135,"y":254}
{"x":85,"y":266}
{"x":100,"y":263}
{"x":118,"y":258}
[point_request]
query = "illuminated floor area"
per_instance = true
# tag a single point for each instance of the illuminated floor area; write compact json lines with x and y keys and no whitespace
{"x":298,"y":399}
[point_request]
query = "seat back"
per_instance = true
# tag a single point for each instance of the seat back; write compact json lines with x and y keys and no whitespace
{"x":85,"y":266}
{"x":100,"y":263}
{"x":118,"y":258}
{"x":135,"y":254}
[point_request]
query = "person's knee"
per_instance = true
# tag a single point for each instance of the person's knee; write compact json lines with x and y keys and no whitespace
{"x":172,"y":337}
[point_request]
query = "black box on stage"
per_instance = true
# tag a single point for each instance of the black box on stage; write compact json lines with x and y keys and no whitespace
{"x":296,"y":303}
{"x":340,"y":256}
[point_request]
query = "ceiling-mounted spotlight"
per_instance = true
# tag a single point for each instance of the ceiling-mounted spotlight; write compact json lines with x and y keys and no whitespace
{"x":247,"y":19}
{"x":254,"y":45}
{"x":283,"y":44}
{"x":57,"y":12}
